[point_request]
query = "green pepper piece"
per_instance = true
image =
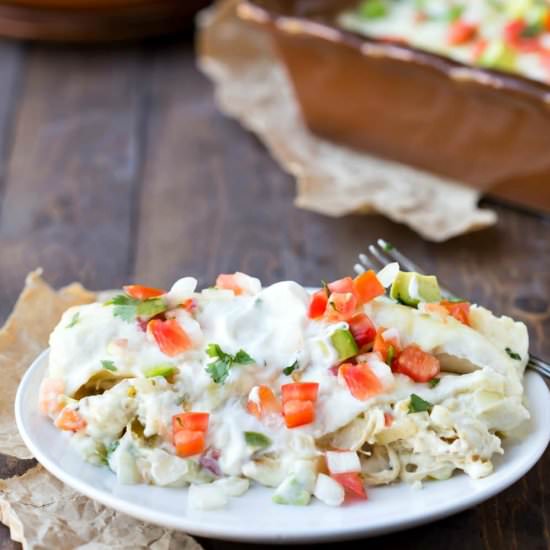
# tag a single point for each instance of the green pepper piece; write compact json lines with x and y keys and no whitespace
{"x":373,"y":9}
{"x":257,"y":440}
{"x":342,"y":339}
{"x":162,"y":369}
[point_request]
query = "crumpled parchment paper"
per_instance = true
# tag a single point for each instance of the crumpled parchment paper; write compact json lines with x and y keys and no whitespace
{"x":252,"y":86}
{"x":41,"y":512}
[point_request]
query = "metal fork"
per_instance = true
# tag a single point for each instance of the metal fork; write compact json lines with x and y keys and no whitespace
{"x":383,"y":253}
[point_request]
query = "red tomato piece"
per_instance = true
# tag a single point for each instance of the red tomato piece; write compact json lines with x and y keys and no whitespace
{"x":49,"y":396}
{"x":547,"y":20}
{"x":300,"y":391}
{"x":318,"y":304}
{"x":513,"y":31}
{"x":352,"y":484}
{"x":341,"y":306}
{"x":360,"y":380}
{"x":478,"y":49}
{"x":298,"y":413}
{"x":341,"y":285}
{"x":362,"y":329}
{"x":367,"y":287}
{"x":417,"y":364}
{"x":229,"y":282}
{"x":140,"y":292}
{"x":461,"y":32}
{"x":269,"y":404}
{"x":459,"y":310}
{"x":388,"y":420}
{"x":189,"y":305}
{"x":189,"y":442}
{"x":170,"y":336}
{"x":195,"y":421}
{"x":70,"y":420}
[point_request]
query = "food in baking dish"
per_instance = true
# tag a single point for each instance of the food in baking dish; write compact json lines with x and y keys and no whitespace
{"x":320,"y":394}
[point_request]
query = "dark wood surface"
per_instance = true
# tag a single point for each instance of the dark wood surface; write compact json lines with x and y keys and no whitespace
{"x":116,"y":166}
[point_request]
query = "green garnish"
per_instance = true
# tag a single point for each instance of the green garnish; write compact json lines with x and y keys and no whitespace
{"x":74,"y":320}
{"x":373,"y":9}
{"x":417,"y":404}
{"x":257,"y":440}
{"x":128,"y":308}
{"x":162,"y":369}
{"x":390,"y":355}
{"x":219,"y":369}
{"x":511,"y":353}
{"x":455,"y":12}
{"x":106,"y":451}
{"x":291,"y":368}
{"x":434,"y":382}
{"x":109,"y":365}
{"x":343,"y":341}
{"x":325,"y":287}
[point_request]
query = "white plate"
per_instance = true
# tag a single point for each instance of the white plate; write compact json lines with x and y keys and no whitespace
{"x":253,"y":517}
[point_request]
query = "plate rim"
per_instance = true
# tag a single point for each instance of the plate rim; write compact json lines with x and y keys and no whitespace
{"x":187,"y":525}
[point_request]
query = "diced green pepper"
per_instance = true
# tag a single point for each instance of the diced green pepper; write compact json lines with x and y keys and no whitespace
{"x":343,"y":341}
{"x":373,"y":9}
{"x":257,"y":440}
{"x":162,"y":369}
{"x":498,"y":55}
{"x":291,"y":491}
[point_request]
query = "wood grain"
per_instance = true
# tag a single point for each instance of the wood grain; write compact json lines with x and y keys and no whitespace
{"x":122,"y":168}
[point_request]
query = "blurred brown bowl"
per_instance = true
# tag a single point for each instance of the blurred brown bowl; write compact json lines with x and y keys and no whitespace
{"x":95,"y":20}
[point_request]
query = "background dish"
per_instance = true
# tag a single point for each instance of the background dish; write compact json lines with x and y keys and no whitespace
{"x":245,"y":519}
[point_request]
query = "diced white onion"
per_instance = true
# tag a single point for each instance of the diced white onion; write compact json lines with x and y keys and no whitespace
{"x":206,"y":497}
{"x":232,"y":486}
{"x":249,"y":284}
{"x":342,"y":462}
{"x":329,"y":491}
{"x":181,"y":290}
{"x":387,"y":274}
{"x":392,"y":335}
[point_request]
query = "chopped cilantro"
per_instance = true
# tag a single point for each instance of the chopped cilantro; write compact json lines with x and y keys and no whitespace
{"x":417,"y":404}
{"x":74,"y":320}
{"x":325,"y":287}
{"x":434,"y":382}
{"x":219,"y":369}
{"x":109,"y":365}
{"x":128,"y":308}
{"x":257,"y":440}
{"x":291,"y":368}
{"x":514,"y":355}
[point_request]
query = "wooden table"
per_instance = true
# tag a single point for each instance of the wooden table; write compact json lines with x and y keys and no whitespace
{"x":116,"y":166}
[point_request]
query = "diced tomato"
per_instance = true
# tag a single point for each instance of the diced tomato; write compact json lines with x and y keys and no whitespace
{"x":301,"y":391}
{"x":479,"y":47}
{"x":341,"y":306}
{"x":140,"y":292}
{"x":367,"y":287}
{"x":420,"y":16}
{"x":382,"y":346}
{"x":461,"y":32}
{"x":388,"y":420}
{"x":298,"y":413}
{"x":194,"y":421}
{"x":417,"y":364}
{"x":318,"y":304}
{"x":170,"y":336}
{"x":49,"y":396}
{"x":268,"y":403}
{"x":352,"y":484}
{"x":229,"y":282}
{"x":189,"y":442}
{"x":547,"y":20}
{"x":459,"y":310}
{"x":362,"y":329}
{"x":360,"y":380}
{"x":513,"y":31}
{"x":341,"y":285}
{"x":70,"y":420}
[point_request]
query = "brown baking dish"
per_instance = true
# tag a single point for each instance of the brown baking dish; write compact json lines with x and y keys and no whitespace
{"x":488,"y":129}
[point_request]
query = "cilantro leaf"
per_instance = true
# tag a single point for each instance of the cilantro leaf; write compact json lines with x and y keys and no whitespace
{"x":291,"y":368}
{"x":109,"y":365}
{"x":514,"y":355}
{"x":74,"y":320}
{"x":434,"y":382}
{"x":257,"y":440}
{"x":219,"y":369}
{"x":128,"y":308}
{"x":417,"y":404}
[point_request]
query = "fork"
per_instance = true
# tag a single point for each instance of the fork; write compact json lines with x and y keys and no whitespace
{"x":383,"y":253}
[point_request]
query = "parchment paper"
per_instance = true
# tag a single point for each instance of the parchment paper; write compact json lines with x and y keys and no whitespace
{"x":41,"y":512}
{"x":252,"y":86}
